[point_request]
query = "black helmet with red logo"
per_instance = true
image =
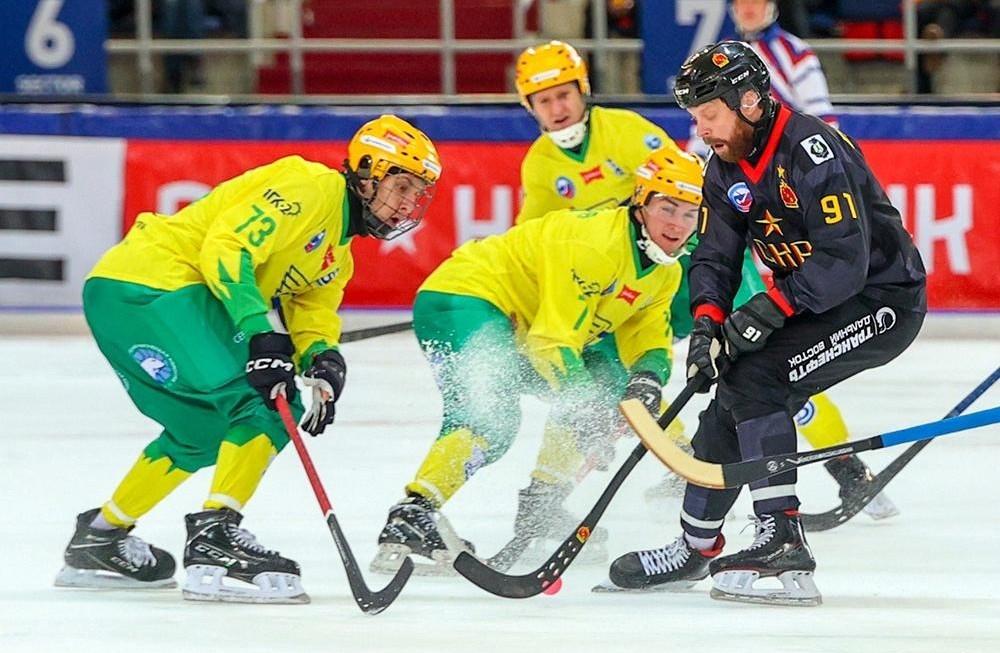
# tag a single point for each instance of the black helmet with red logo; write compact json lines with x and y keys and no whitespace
{"x":724,"y":70}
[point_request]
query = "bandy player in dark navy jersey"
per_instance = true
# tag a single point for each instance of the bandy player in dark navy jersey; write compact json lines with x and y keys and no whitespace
{"x":848,"y":295}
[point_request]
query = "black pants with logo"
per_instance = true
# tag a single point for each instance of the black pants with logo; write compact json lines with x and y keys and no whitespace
{"x":751,"y":414}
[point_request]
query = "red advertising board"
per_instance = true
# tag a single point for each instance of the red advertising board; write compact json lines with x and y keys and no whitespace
{"x":945,"y":190}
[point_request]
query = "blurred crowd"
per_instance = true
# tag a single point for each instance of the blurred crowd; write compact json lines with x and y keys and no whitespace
{"x":572,"y":19}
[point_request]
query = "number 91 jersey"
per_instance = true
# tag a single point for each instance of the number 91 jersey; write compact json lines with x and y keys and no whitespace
{"x":814,"y":213}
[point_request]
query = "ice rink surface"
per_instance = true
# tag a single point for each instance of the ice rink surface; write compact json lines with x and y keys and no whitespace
{"x":927,"y":580}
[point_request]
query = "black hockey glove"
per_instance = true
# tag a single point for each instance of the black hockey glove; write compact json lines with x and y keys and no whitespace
{"x":646,"y":387}
{"x":270,"y":369}
{"x":748,"y":327}
{"x":326,"y":377}
{"x":704,"y":349}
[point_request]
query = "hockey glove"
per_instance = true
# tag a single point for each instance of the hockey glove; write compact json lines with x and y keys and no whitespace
{"x":326,"y":377}
{"x":645,"y":386}
{"x":748,"y":327}
{"x":704,"y":350}
{"x":270,"y":369}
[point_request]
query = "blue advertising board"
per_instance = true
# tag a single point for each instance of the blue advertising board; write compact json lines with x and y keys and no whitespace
{"x":53,"y":47}
{"x":671,"y":31}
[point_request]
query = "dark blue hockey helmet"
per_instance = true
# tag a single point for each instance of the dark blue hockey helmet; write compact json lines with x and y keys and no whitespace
{"x":724,"y":70}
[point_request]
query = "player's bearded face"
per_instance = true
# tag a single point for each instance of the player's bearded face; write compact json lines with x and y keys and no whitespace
{"x":670,"y":222}
{"x":721,"y":130}
{"x":400,"y":199}
{"x":558,"y":107}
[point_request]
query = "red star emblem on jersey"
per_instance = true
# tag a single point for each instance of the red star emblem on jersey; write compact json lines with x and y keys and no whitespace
{"x":787,"y":194}
{"x":770,"y":224}
{"x":328,"y":257}
{"x":628,"y":295}
{"x":592,"y":175}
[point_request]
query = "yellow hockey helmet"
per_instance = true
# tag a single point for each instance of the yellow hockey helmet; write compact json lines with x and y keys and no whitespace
{"x":389,"y":142}
{"x":670,"y":172}
{"x":551,"y":64}
{"x":382,"y":147}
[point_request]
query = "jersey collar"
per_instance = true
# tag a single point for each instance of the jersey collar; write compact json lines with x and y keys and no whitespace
{"x":578,"y":153}
{"x":755,"y":171}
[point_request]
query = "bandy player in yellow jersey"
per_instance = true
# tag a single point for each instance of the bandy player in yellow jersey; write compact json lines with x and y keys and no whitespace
{"x":574,"y":307}
{"x":586,"y":156}
{"x":182,"y":310}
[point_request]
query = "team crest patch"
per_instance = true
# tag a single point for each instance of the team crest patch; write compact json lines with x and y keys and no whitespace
{"x":817,"y":148}
{"x":740,"y":197}
{"x":592,"y":175}
{"x":720,"y":60}
{"x":565,"y":188}
{"x":155,"y":362}
{"x":652,"y":141}
{"x":315,"y":241}
{"x":786,"y":192}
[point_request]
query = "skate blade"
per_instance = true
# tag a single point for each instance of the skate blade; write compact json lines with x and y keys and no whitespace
{"x":798,"y":588}
{"x":389,"y":559}
{"x":607,"y":586}
{"x":100,"y":579}
{"x":208,"y":583}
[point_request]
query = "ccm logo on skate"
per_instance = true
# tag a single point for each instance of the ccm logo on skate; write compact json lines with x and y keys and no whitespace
{"x":269,"y":363}
{"x":221,"y":557}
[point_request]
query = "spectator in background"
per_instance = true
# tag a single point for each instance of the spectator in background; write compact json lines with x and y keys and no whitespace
{"x":195,"y":19}
{"x":793,"y":16}
{"x":945,"y":19}
{"x":622,"y":74}
{"x":797,"y":79}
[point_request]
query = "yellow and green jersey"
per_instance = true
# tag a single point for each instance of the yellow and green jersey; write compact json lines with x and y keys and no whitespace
{"x":566,"y":281}
{"x":601,"y":176}
{"x":279,"y":231}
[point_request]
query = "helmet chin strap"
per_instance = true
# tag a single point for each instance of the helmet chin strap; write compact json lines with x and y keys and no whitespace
{"x":572,"y":136}
{"x":655,"y":252}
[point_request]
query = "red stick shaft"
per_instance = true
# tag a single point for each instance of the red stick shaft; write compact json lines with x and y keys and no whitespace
{"x":300,"y":447}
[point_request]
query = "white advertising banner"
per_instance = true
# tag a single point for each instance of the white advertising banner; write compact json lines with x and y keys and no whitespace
{"x":60,"y":209}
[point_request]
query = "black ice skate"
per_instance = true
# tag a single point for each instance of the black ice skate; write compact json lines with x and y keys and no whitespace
{"x":226,"y":563}
{"x":415,"y":527}
{"x":543,"y":519}
{"x":112,"y":559}
{"x":779,"y":550}
{"x":672,"y":568}
{"x":854,"y":477}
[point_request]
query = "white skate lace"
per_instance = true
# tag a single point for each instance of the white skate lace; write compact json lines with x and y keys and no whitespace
{"x":763,"y":530}
{"x":135,"y":551}
{"x":248,"y":540}
{"x":669,"y":558}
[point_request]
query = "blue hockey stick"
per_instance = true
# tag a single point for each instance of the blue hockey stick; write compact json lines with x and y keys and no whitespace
{"x":861,"y":495}
{"x":733,"y":475}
